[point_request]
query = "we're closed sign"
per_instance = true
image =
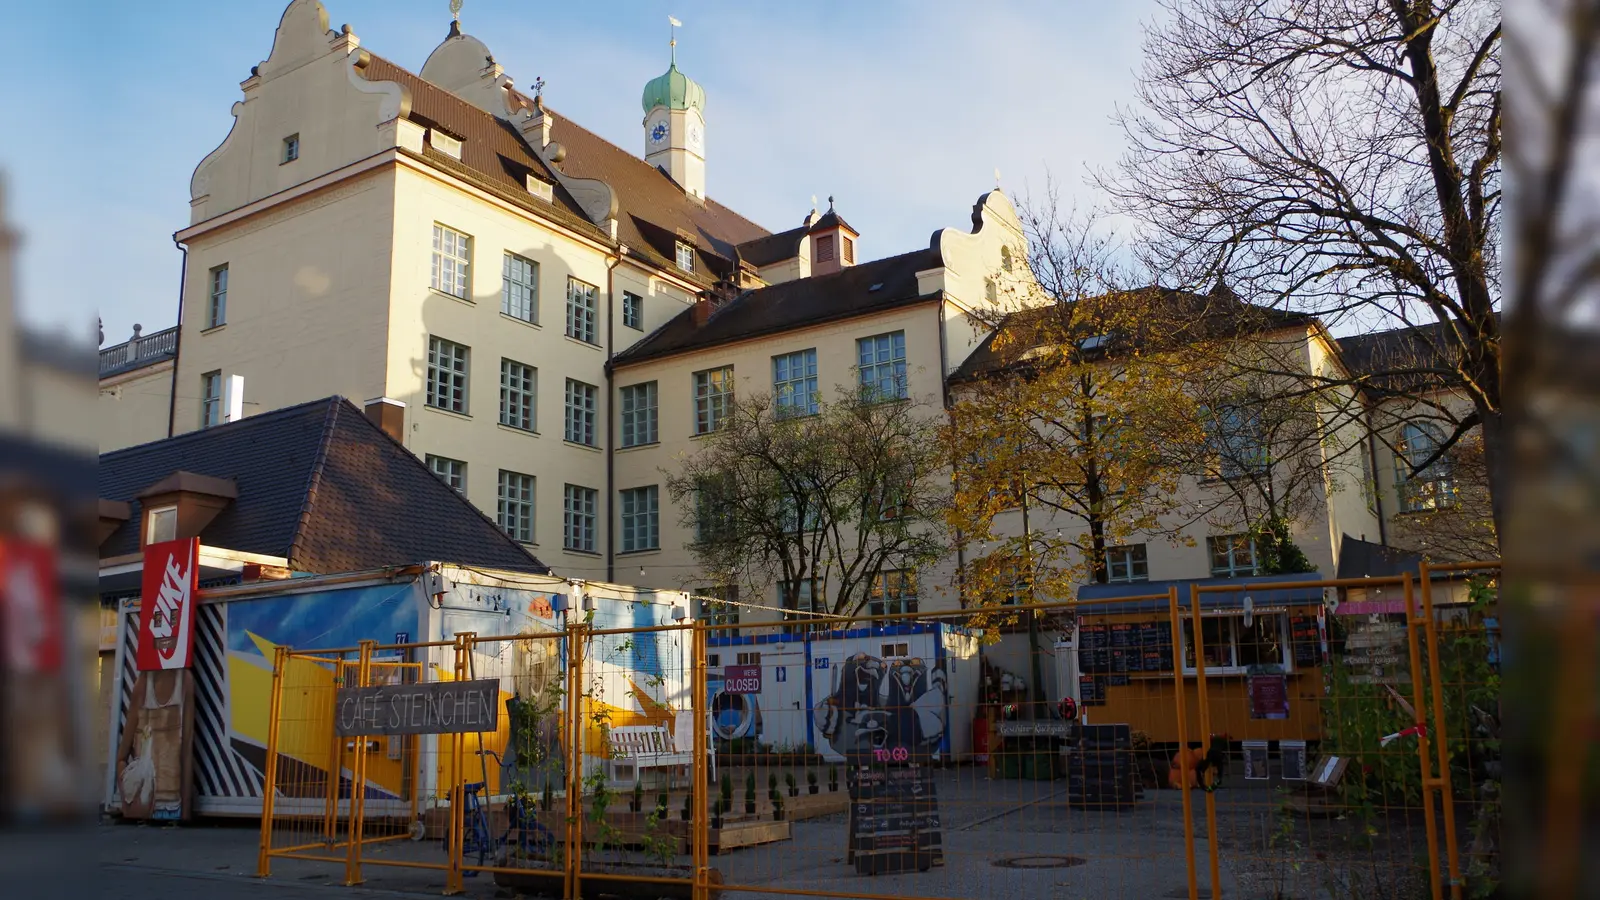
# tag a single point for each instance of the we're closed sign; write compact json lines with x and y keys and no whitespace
{"x":741,"y":679}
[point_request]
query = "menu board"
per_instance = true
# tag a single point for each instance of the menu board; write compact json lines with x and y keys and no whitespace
{"x":1115,"y":680}
{"x":1094,"y":648}
{"x":1155,"y":648}
{"x":1306,"y":640}
{"x":894,"y":819}
{"x":1091,"y":690}
{"x":1124,"y":648}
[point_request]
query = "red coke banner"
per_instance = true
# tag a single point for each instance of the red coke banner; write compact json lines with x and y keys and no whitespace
{"x":167,"y":605}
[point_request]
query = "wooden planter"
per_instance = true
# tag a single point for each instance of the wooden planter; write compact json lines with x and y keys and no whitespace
{"x":550,"y":882}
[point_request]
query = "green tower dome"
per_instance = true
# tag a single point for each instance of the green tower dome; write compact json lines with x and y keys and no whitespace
{"x":674,"y":90}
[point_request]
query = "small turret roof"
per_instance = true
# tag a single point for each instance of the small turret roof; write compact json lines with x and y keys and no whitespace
{"x":674,"y":90}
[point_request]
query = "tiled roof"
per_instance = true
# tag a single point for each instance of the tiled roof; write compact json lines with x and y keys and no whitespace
{"x":319,"y":484}
{"x":1403,"y":359}
{"x":854,"y":290}
{"x":1213,"y":315}
{"x":764,"y":251}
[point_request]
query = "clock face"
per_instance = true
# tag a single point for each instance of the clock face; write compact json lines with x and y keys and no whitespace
{"x":694,"y":135}
{"x":658,"y":132}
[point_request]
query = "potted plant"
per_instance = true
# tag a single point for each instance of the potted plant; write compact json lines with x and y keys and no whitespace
{"x":547,"y":796}
{"x":833,"y":779}
{"x":788,"y":780}
{"x":727,"y":791}
{"x":750,"y":794}
{"x":687,"y":813}
{"x":718,"y":807}
{"x":772,"y":784}
{"x":811,"y":781}
{"x":661,"y":805}
{"x":637,"y":803}
{"x":777,"y":806}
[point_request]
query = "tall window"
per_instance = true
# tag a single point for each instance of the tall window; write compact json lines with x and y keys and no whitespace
{"x":893,"y":593}
{"x":1423,"y":487}
{"x":1237,"y":440}
{"x":794,"y":383}
{"x":1232,"y":647}
{"x":849,"y":249}
{"x":1232,"y":555}
{"x":217,"y":298}
{"x":447,"y":374}
{"x":641,"y":519}
{"x":713,"y":513}
{"x":804,"y":603}
{"x":718,"y":606}
{"x":582,"y":307}
{"x":824,"y":245}
{"x":713,"y":398}
{"x":451,"y":257}
{"x":638,"y":404}
{"x":1125,"y":564}
{"x":578,"y":524}
{"x":210,"y":399}
{"x":685,"y":255}
{"x":518,"y":383}
{"x":1005,"y":257}
{"x":519,"y":288}
{"x":881,"y":360}
{"x":450,"y":471}
{"x":515,"y":505}
{"x":580,"y":412}
{"x":632,"y":310}
{"x":291,"y":148}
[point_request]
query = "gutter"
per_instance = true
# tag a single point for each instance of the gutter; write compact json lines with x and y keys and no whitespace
{"x":611,"y":420}
{"x":177,"y":338}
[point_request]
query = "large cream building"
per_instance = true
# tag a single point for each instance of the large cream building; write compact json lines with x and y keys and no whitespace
{"x":546,"y":318}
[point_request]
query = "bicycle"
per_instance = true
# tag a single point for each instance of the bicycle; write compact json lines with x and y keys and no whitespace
{"x":521,"y":817}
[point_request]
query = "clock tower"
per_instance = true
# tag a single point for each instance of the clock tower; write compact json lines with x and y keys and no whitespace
{"x":675,"y":129}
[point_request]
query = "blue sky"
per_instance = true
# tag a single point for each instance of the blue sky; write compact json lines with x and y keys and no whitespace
{"x":901,"y":110}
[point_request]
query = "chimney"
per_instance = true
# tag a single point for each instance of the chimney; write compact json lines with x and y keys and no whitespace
{"x":390,"y":415}
{"x":535,"y":125}
{"x":703,"y":308}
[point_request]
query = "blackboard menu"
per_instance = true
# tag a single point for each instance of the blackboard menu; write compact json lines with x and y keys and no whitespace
{"x":894,"y":819}
{"x":1155,"y":647}
{"x":1094,"y":648}
{"x":1115,"y":680}
{"x":1091,"y":690}
{"x":1306,"y":640}
{"x":1124,"y":648}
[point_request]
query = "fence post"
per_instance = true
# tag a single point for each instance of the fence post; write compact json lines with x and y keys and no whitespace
{"x":1441,"y":737}
{"x":1419,"y":709}
{"x":1183,"y":738}
{"x":1205,"y":729}
{"x":453,"y":879}
{"x":578,"y":733}
{"x":358,"y":780}
{"x":269,"y":784}
{"x":330,"y":807}
{"x":699,"y":822}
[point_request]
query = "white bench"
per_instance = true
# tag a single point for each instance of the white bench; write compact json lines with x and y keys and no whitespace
{"x":635,"y":748}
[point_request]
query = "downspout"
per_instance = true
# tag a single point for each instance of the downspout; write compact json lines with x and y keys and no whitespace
{"x":611,"y":419}
{"x":1377,"y":491}
{"x":177,"y":339}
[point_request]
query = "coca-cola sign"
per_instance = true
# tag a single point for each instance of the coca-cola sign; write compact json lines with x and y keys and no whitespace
{"x":166,"y":608}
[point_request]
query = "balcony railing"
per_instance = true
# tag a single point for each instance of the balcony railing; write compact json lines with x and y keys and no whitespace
{"x":139,"y":351}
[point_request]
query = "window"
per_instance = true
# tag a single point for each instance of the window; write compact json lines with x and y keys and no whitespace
{"x":519,"y":288}
{"x":633,"y":310}
{"x":806,"y":604}
{"x":1231,"y":647}
{"x":1005,"y":258}
{"x":717,"y":606}
{"x":639,"y":423}
{"x":1237,"y":440}
{"x":881,"y":360}
{"x":210,"y":399}
{"x":515,"y":505}
{"x":896,"y":650}
{"x":991,"y":291}
{"x":849,"y":249}
{"x":581,"y":311}
{"x":578,"y":524}
{"x":217,"y":298}
{"x":1423,"y":487}
{"x":451,"y":257}
{"x":794,"y":383}
{"x":641,"y":521}
{"x":892,"y":593}
{"x":1125,"y":564}
{"x":824,"y":244}
{"x":451,"y":471}
{"x":161,"y":525}
{"x":713,"y":513}
{"x":1232,"y":555}
{"x":518,"y":383}
{"x":748,"y":658}
{"x":713,"y":398}
{"x":685,"y":255}
{"x":447,"y":375}
{"x":580,"y":412}
{"x":291,"y":148}
{"x":789,"y":514}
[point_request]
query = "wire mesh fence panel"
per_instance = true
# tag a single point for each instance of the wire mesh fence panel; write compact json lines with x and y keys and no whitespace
{"x":308,"y":767}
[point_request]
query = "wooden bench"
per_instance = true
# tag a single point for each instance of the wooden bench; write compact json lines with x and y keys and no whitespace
{"x":635,"y":748}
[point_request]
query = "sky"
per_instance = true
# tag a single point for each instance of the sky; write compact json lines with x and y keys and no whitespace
{"x":902,"y":111}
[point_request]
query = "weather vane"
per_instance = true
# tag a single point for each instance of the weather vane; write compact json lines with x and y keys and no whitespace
{"x":673,"y":25}
{"x":455,"y":10}
{"x":538,"y":83}
{"x":997,"y":179}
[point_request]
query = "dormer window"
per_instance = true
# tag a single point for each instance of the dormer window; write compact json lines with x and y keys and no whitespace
{"x":161,"y":524}
{"x":291,"y":148}
{"x":685,"y":254}
{"x":824,"y":248}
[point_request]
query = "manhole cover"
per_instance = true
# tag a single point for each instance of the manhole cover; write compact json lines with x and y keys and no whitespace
{"x":1039,"y":862}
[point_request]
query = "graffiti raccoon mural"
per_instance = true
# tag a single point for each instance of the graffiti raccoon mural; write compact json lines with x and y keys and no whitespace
{"x":888,"y":710}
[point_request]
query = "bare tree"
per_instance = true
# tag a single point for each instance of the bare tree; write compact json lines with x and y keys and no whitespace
{"x":1339,"y":158}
